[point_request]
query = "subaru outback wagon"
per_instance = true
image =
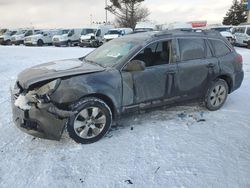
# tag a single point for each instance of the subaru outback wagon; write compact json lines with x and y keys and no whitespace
{"x":131,"y":73}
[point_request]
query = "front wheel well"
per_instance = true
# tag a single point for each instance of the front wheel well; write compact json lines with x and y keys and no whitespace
{"x":228,"y":80}
{"x":107,"y":100}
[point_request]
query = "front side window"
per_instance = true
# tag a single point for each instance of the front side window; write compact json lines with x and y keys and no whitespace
{"x":220,"y":48}
{"x":191,"y":49}
{"x":158,"y":53}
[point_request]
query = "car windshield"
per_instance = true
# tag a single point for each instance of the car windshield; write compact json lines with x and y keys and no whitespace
{"x":10,"y":33}
{"x":114,"y":32}
{"x":20,"y":32}
{"x":110,"y":53}
{"x":62,"y":32}
{"x":2,"y":31}
{"x":88,"y":31}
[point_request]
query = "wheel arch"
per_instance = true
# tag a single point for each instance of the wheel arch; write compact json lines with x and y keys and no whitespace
{"x":107,"y":100}
{"x":229,"y":81}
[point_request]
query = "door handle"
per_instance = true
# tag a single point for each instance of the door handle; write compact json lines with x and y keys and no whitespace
{"x":211,"y":65}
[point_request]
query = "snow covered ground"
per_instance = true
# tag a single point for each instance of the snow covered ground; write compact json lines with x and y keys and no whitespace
{"x":184,"y":146}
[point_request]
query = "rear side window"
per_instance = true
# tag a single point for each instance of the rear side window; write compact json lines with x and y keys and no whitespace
{"x":220,"y":48}
{"x":191,"y":49}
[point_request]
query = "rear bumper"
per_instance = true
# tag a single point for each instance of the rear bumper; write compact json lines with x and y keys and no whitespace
{"x":38,"y":122}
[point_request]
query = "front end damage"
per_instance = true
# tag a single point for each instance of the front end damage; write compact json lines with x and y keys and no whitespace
{"x":35,"y":113}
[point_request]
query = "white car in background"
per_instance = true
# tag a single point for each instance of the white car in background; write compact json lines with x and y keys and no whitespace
{"x":144,"y":27}
{"x":242,"y":35}
{"x":225,"y":31}
{"x":5,"y":37}
{"x":67,"y":37}
{"x":115,"y":33}
{"x":95,"y":39}
{"x":43,"y":37}
{"x":18,"y":38}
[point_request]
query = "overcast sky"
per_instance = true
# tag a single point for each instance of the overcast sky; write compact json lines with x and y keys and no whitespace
{"x":76,"y":13}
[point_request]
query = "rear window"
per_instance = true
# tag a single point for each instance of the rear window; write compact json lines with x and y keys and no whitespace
{"x":191,"y":49}
{"x":220,"y":48}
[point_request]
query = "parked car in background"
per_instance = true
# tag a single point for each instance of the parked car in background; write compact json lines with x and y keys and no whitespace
{"x":225,"y":31}
{"x":18,"y":38}
{"x":144,"y":27}
{"x":5,"y":38}
{"x":95,"y":39}
{"x":2,"y":31}
{"x":242,"y":35}
{"x":128,"y":74}
{"x":43,"y":37}
{"x":180,"y":25}
{"x":115,"y":33}
{"x":67,"y":37}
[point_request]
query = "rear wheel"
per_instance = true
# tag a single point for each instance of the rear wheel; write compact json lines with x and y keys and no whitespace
{"x":216,"y":95}
{"x":91,"y":122}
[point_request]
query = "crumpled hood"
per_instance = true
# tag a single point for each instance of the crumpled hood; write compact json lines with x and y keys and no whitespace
{"x":55,"y":69}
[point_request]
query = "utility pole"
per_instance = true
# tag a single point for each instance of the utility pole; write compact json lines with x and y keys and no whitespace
{"x":91,"y":19}
{"x":106,"y":11}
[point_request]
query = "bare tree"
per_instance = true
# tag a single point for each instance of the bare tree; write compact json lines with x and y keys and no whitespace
{"x":128,"y":12}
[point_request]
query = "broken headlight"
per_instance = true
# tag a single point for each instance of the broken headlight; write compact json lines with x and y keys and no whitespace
{"x":48,"y":88}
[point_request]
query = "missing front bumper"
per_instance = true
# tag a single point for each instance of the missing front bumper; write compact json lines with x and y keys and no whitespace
{"x":40,"y":122}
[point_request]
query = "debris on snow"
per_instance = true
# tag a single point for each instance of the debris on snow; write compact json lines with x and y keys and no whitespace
{"x":128,"y":181}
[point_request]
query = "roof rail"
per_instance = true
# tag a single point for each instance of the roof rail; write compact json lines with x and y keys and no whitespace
{"x":183,"y":31}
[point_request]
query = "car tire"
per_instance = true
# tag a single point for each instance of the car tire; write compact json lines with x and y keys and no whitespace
{"x":92,"y":120}
{"x":216,"y":95}
{"x":8,"y":42}
{"x":248,"y":44}
{"x":39,"y":42}
{"x":69,"y":43}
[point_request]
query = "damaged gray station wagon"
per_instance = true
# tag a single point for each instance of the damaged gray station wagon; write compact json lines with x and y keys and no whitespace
{"x":131,"y":73}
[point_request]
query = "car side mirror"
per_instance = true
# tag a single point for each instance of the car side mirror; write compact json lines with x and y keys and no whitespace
{"x":134,"y":66}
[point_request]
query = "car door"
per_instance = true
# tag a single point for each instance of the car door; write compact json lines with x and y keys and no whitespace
{"x":154,"y":83}
{"x":196,"y":67}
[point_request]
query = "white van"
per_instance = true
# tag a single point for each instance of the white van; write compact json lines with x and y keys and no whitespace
{"x":225,"y":32}
{"x":67,"y":37}
{"x":95,"y":39}
{"x":115,"y":33}
{"x":242,"y":35}
{"x":40,"y":38}
{"x":5,"y":37}
{"x":144,"y":27}
{"x":179,"y":25}
{"x":18,"y":38}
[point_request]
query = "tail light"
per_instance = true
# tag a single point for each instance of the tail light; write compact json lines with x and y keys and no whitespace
{"x":239,"y":58}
